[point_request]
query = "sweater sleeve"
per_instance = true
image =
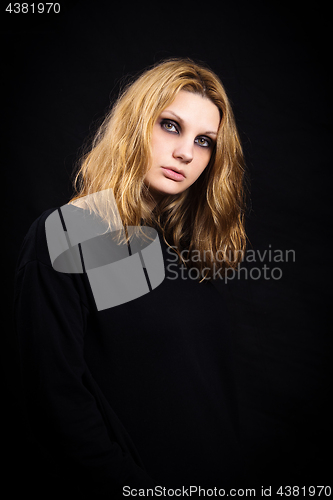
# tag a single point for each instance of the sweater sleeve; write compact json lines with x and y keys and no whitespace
{"x":50,"y":321}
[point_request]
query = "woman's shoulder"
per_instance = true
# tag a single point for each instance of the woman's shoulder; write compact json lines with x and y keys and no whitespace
{"x":53,"y":238}
{"x":34,"y":246}
{"x":43,"y":250}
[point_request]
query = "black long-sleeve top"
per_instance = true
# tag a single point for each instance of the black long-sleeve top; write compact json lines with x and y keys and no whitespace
{"x":141,"y":394}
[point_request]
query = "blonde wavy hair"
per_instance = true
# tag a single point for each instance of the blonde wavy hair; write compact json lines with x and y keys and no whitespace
{"x":207,"y":220}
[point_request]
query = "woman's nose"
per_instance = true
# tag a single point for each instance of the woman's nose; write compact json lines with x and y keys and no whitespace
{"x":184,"y":151}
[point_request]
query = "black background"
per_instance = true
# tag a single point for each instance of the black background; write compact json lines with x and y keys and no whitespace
{"x":60,"y":72}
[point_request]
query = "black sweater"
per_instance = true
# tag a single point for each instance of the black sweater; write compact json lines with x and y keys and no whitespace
{"x":141,"y":394}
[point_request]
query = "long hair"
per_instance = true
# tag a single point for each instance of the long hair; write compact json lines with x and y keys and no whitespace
{"x":208,"y":218}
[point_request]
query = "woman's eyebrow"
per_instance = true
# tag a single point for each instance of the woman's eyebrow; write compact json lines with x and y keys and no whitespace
{"x":210,"y":132}
{"x":182,"y":121}
{"x":174,"y":114}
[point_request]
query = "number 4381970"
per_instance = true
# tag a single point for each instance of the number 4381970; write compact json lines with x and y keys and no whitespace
{"x":38,"y":8}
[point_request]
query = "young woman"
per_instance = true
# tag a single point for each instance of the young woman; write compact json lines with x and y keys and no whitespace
{"x":142,"y":395}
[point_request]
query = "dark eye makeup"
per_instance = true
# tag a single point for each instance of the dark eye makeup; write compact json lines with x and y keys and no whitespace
{"x":173,"y":127}
{"x":170,"y":126}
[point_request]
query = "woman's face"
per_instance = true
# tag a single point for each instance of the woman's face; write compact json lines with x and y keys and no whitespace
{"x":182,"y":143}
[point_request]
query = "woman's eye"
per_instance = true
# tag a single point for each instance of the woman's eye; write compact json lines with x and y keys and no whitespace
{"x":169,"y":126}
{"x":174,"y":128}
{"x":203,"y":141}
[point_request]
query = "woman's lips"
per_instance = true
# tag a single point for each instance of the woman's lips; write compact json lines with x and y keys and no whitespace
{"x":172,"y":174}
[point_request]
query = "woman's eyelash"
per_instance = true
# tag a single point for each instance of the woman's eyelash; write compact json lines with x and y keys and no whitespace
{"x":168,"y":125}
{"x":203,"y":138}
{"x":165,"y":123}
